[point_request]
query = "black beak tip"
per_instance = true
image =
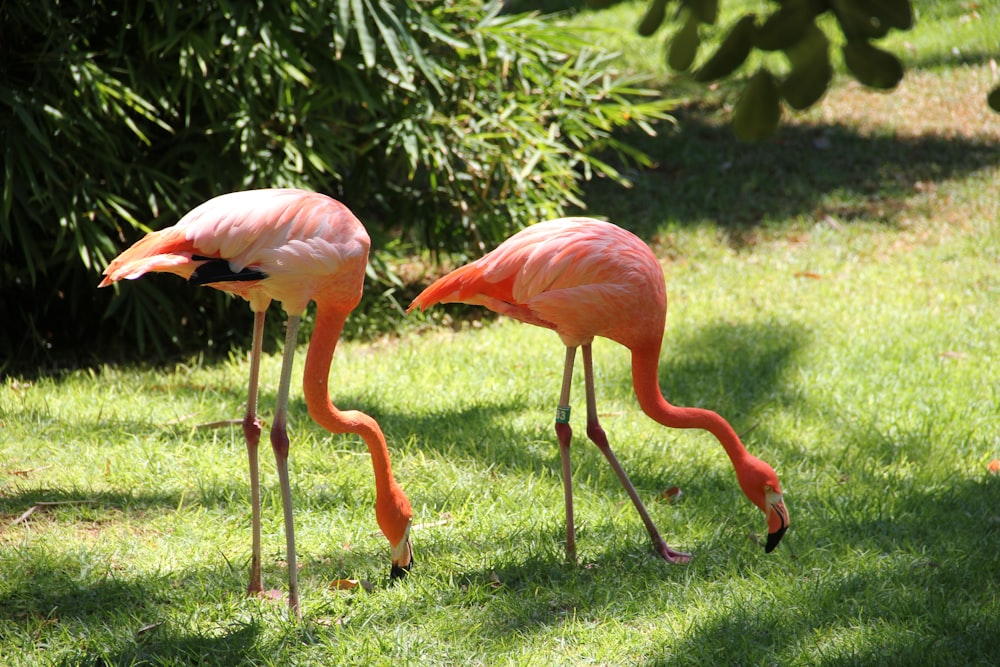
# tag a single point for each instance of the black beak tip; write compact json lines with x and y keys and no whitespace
{"x":398,"y":571}
{"x":774,"y":538}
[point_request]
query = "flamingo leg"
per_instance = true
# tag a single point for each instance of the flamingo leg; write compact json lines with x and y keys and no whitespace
{"x":279,"y":443}
{"x":564,"y":433}
{"x":599,"y":438}
{"x":251,"y":431}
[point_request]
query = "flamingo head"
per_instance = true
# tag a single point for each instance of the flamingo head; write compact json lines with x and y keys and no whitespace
{"x":394,"y":516}
{"x":760,"y":484}
{"x":402,"y":556}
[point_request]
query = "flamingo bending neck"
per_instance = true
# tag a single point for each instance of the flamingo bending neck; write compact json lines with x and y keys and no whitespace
{"x":392,"y":508}
{"x":645,"y":380}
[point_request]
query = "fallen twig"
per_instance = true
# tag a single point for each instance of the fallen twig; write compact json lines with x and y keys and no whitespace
{"x":220,"y":423}
{"x":27,"y":471}
{"x":41,"y":505}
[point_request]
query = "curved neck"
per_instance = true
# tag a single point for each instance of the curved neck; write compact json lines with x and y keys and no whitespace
{"x":645,"y":380}
{"x":322,"y":343}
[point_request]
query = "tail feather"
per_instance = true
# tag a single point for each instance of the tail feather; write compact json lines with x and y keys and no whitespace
{"x":165,"y":251}
{"x":459,"y":286}
{"x":483,"y":283}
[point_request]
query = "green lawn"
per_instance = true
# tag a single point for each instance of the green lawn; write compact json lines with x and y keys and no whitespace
{"x":834,"y":293}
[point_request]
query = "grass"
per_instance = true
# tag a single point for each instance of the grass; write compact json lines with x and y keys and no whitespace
{"x":834,"y":293}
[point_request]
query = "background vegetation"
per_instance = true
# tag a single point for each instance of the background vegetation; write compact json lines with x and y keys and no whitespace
{"x":834,"y":292}
{"x":436,"y":122}
{"x":444,"y":127}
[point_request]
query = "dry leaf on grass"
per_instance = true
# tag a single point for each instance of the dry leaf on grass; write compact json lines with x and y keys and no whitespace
{"x":673,"y":494}
{"x":350,"y":584}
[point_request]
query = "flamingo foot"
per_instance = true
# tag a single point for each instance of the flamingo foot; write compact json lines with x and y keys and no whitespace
{"x":671,"y":555}
{"x":570,"y":555}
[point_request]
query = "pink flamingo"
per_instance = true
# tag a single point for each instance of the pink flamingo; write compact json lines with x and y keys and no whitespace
{"x":293,"y":247}
{"x":585,"y":278}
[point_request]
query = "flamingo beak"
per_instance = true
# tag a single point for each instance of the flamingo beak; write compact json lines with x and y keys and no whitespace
{"x":402,"y":557}
{"x":777,"y":520}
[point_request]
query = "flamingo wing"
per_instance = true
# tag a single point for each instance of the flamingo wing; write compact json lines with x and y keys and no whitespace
{"x":281,"y":244}
{"x":158,"y":251}
{"x":578,"y":276}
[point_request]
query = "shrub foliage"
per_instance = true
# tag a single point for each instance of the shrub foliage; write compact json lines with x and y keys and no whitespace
{"x":438,"y":122}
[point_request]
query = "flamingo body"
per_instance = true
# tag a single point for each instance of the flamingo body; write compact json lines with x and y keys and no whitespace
{"x":585,"y":278}
{"x":293,"y":247}
{"x":302,"y":245}
{"x":573,"y":275}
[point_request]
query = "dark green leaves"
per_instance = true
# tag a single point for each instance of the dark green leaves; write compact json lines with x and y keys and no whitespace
{"x":786,"y":26}
{"x":757,"y":112}
{"x":683,"y":48}
{"x":701,"y":11}
{"x":731,"y":53}
{"x":857,"y":21}
{"x":653,"y":17}
{"x":872,"y":66}
{"x":811,"y":70}
{"x":894,"y":13}
{"x":793,"y":28}
{"x":449,"y":123}
{"x":707,"y":11}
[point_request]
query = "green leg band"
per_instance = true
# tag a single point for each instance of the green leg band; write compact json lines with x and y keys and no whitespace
{"x":562,"y":415}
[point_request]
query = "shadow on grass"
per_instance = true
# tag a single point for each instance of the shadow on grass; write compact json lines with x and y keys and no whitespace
{"x":813,"y":170}
{"x":731,"y":368}
{"x":923,"y":589}
{"x":114,"y":620}
{"x":237,"y":644}
{"x":96,"y":507}
{"x":922,"y":593}
{"x":927,"y":544}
